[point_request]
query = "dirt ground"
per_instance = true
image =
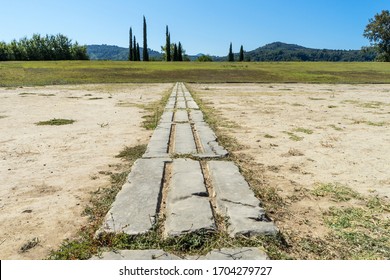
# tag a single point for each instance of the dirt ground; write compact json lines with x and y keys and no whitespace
{"x":301,"y":136}
{"x":48,"y":172}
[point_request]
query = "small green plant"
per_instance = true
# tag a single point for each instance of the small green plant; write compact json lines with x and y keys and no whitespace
{"x":336,"y":192}
{"x":269,"y":136}
{"x":293,"y":136}
{"x":303,"y":130}
{"x":3,"y":117}
{"x":56,"y":122}
{"x":132,"y":153}
{"x":335,"y":127}
{"x":155,"y":109}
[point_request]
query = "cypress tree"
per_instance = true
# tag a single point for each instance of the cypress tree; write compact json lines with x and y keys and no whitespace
{"x":145,"y":50}
{"x":131,"y":45}
{"x":180,"y":52}
{"x":241,"y":53}
{"x":134,"y":49}
{"x":138,"y":53}
{"x":168,"y":45}
{"x":175,"y":55}
{"x":231,"y":55}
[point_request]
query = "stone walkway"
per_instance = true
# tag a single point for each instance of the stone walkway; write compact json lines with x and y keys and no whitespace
{"x":182,"y":176}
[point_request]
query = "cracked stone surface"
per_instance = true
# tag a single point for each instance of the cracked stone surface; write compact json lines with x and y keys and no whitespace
{"x":245,"y":253}
{"x":169,"y":180}
{"x":187,"y":192}
{"x":135,"y":206}
{"x":235,"y":198}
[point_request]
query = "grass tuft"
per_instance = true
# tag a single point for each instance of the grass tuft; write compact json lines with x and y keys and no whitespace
{"x":132,"y":153}
{"x":335,"y":191}
{"x":56,"y":122}
{"x":293,"y":136}
{"x":303,"y":130}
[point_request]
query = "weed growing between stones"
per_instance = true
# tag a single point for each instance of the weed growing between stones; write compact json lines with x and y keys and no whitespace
{"x":155,"y":110}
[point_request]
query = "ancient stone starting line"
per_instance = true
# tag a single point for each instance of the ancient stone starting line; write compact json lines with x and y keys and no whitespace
{"x":182,"y":176}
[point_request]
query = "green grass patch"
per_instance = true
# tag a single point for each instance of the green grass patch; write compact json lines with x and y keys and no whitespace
{"x":335,"y":127}
{"x":304,"y":130}
{"x":155,"y":111}
{"x":336,"y":192}
{"x":293,"y":136}
{"x":269,"y":136}
{"x":33,"y":73}
{"x":132,"y":153}
{"x":364,"y":232}
{"x":2,"y":117}
{"x":371,"y":123}
{"x":56,"y":122}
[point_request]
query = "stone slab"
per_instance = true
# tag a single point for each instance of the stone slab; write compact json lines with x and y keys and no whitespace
{"x":184,"y":139}
{"x":159,"y":142}
{"x":181,"y":104}
{"x":196,"y":116}
{"x":208,"y":140}
{"x":167,"y":116}
{"x":181,"y":116}
{"x":244,"y":253}
{"x":188,"y":208}
{"x":236,"y":200}
{"x":134,"y":209}
{"x":191,"y":104}
{"x":136,"y":255}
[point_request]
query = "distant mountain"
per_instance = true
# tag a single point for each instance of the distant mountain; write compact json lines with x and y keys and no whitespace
{"x":108,"y":52}
{"x":276,"y":51}
{"x":279,"y":51}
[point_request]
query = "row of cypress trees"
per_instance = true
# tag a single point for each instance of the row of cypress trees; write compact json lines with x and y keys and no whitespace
{"x":231,"y":54}
{"x":173,"y":52}
{"x":134,"y":50}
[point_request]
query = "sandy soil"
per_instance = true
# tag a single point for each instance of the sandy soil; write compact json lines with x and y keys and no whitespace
{"x":48,"y":172}
{"x":303,"y":135}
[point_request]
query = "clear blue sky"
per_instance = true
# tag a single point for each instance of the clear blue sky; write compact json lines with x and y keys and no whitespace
{"x":201,"y":26}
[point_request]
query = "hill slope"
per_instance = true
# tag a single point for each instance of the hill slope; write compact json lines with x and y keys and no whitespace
{"x":108,"y":52}
{"x":279,"y":51}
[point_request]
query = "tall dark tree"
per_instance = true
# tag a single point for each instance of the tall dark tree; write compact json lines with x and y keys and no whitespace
{"x":378,"y":32}
{"x":175,"y":54}
{"x":138,"y":53}
{"x":134,"y":49}
{"x":241,"y":58}
{"x":231,"y":55}
{"x":145,"y":50}
{"x":168,"y":45}
{"x":180,"y":52}
{"x":131,"y":53}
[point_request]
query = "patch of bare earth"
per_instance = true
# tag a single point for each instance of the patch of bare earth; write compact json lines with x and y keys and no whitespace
{"x":294,"y":138}
{"x":48,"y":172}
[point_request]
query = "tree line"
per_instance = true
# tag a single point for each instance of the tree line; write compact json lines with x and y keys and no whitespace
{"x":230,"y":56}
{"x":171,"y":51}
{"x":49,"y":47}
